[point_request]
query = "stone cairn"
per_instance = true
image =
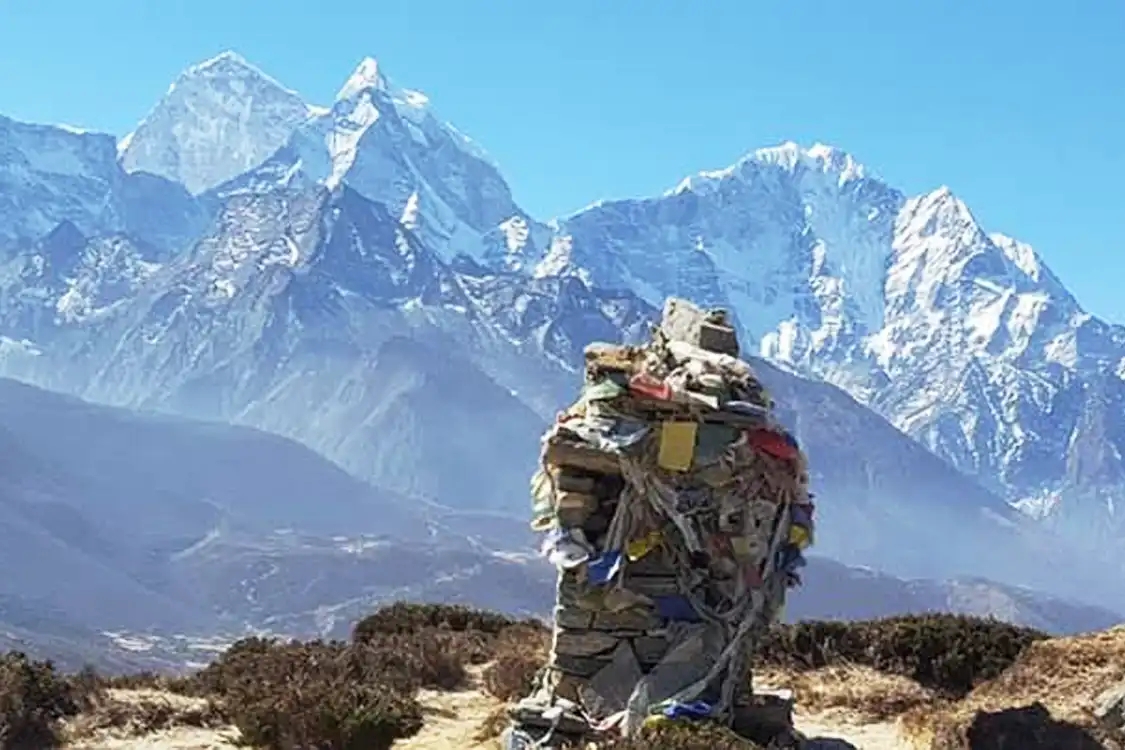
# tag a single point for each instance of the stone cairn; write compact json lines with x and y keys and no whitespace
{"x":675,"y":509}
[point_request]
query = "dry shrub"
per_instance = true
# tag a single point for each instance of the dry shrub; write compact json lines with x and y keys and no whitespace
{"x":240,"y":659}
{"x":949,"y":654}
{"x":685,"y":736}
{"x":137,"y":712}
{"x":511,"y":676}
{"x":1025,"y":728}
{"x":325,"y":695}
{"x":34,"y":698}
{"x":472,"y":636}
{"x":146,"y":680}
{"x":404,"y":618}
{"x":519,"y":652}
{"x":864,"y":693}
{"x":1065,"y":674}
{"x":1048,"y":693}
{"x":432,"y":660}
{"x":336,"y":696}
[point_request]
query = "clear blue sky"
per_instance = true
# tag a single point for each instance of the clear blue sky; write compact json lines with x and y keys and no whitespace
{"x":1018,"y":106}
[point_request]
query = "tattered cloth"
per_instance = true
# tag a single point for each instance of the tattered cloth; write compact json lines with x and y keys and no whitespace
{"x":676,"y":510}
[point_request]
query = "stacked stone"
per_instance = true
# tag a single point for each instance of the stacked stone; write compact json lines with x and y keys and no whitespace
{"x":676,"y":510}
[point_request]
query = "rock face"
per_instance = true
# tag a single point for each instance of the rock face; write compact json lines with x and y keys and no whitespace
{"x":217,"y":120}
{"x":340,"y":275}
{"x":52,"y":175}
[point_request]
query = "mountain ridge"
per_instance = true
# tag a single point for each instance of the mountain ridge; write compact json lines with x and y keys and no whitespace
{"x":373,"y":219}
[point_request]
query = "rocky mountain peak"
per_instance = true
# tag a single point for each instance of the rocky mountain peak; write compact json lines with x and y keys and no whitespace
{"x":819,"y":157}
{"x":50,"y":174}
{"x":219,"y":118}
{"x":367,"y":75}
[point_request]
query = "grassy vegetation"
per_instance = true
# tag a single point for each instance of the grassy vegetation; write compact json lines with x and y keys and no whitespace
{"x":363,"y":693}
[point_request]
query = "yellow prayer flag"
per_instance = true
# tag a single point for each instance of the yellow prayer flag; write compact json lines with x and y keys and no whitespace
{"x":677,"y":445}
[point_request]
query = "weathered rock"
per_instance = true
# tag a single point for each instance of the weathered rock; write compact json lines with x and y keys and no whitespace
{"x":631,"y":620}
{"x":609,"y":690}
{"x":575,"y":456}
{"x":1110,"y":708}
{"x":575,"y":508}
{"x":583,"y":642}
{"x":650,"y":649}
{"x":572,"y":481}
{"x":655,"y":563}
{"x":683,"y":321}
{"x":531,"y":714}
{"x":762,"y":717}
{"x":575,"y":619}
{"x":579,"y":666}
{"x":718,"y":338}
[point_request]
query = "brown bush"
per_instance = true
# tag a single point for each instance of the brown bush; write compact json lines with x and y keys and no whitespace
{"x":240,"y":659}
{"x":141,"y":711}
{"x":949,"y":654}
{"x":145,"y":680}
{"x":430,"y":659}
{"x":404,"y":617}
{"x":511,"y":676}
{"x":1026,"y":728}
{"x":331,"y":696}
{"x":686,"y":736}
{"x":861,"y":692}
{"x":34,"y":698}
{"x":518,"y":653}
{"x":434,"y":642}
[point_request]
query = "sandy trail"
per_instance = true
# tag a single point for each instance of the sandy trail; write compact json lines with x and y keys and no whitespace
{"x":829,"y":731}
{"x":454,"y":720}
{"x":180,"y":738}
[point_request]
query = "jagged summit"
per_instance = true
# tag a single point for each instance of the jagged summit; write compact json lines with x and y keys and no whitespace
{"x":789,"y":156}
{"x":818,"y":157}
{"x":228,"y":66}
{"x":218,"y":119}
{"x":940,"y":212}
{"x":225,"y":61}
{"x":367,"y":75}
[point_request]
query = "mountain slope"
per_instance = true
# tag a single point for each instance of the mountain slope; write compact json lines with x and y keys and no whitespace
{"x":315,"y":314}
{"x":310,"y":299}
{"x":352,"y":337}
{"x":96,"y":502}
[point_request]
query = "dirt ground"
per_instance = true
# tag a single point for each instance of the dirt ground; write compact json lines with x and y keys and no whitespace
{"x":454,"y":721}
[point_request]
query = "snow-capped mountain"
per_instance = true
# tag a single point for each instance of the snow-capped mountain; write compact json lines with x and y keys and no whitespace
{"x":387,"y":144}
{"x":217,"y":120}
{"x":965,"y":340}
{"x":367,"y":284}
{"x":52,"y":174}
